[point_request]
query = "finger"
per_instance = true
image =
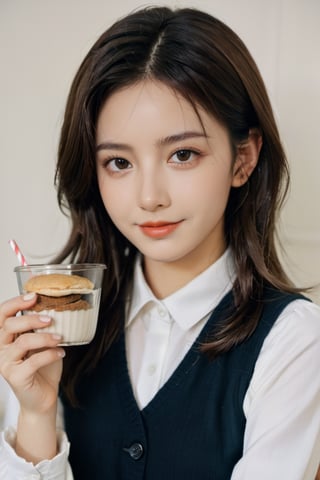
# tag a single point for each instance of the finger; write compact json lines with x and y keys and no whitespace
{"x":14,"y":326}
{"x":11,"y":307}
{"x":14,"y":356}
{"x":42,"y":359}
{"x":23,"y":372}
{"x":26,"y":344}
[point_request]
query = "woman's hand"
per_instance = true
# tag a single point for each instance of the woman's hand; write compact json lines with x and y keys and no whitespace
{"x":31,"y":363}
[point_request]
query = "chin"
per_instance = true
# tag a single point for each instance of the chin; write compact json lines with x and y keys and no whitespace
{"x":164,"y":257}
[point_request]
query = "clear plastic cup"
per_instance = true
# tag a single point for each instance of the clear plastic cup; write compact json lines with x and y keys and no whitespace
{"x":72,"y":306}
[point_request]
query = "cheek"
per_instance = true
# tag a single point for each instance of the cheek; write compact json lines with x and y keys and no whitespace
{"x":117,"y":197}
{"x":110,"y":196}
{"x":210,"y":191}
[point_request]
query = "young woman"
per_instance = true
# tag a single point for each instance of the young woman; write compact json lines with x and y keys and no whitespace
{"x":205,"y":362}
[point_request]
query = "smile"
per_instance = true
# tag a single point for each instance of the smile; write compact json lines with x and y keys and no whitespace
{"x":158,"y":229}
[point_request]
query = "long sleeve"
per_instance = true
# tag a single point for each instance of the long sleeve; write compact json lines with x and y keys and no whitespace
{"x":282,"y":404}
{"x":13,"y":467}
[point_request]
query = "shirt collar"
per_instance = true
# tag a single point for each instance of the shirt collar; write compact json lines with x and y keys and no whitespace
{"x":208,"y":288}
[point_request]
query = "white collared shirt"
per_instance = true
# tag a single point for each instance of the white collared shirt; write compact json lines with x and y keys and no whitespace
{"x":160,"y":332}
{"x":282,"y":403}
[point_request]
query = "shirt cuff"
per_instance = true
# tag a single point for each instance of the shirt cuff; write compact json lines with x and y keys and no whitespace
{"x":13,"y":466}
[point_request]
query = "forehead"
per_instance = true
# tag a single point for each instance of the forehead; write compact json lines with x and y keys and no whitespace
{"x":152,"y":101}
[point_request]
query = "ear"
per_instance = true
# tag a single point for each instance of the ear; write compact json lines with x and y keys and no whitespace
{"x":247,"y":157}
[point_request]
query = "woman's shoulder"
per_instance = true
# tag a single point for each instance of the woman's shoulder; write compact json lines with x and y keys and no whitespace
{"x":298,"y":326}
{"x":291,"y":347}
{"x":303,"y":313}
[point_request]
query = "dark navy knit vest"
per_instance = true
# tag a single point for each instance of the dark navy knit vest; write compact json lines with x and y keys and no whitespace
{"x":191,"y":430}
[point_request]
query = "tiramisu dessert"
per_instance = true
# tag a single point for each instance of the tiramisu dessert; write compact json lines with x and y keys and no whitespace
{"x":70,"y":300}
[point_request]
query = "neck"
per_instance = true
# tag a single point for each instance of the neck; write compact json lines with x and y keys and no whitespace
{"x":165,"y":278}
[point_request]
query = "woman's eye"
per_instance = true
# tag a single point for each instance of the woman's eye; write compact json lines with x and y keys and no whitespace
{"x":183,"y":156}
{"x":116,"y":164}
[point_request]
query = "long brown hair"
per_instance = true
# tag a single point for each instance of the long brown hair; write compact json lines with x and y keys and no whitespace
{"x":206,"y":62}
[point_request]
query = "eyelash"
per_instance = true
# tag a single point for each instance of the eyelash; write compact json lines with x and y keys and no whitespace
{"x":188,"y":161}
{"x":110,"y":163}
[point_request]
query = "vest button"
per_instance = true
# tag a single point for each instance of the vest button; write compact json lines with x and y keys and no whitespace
{"x":135,"y":451}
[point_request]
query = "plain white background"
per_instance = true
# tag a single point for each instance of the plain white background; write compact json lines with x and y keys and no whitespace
{"x":42,"y":43}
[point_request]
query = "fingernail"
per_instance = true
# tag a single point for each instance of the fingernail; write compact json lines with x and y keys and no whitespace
{"x":44,"y":319}
{"x":29,"y":296}
{"x":61,"y":353}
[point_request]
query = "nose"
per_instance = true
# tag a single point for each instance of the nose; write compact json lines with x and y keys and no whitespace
{"x":153,"y":191}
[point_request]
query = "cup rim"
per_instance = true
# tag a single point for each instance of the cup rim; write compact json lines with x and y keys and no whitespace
{"x":75,"y":267}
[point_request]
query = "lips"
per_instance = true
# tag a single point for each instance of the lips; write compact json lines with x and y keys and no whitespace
{"x":158,"y":229}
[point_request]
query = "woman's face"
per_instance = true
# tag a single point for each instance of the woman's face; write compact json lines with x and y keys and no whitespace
{"x":164,"y":175}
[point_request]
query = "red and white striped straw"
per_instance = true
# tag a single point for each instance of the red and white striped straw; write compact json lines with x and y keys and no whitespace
{"x":19,"y":254}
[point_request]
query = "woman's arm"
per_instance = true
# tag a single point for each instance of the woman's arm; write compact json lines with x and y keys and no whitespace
{"x":282,"y":405}
{"x":31,"y":363}
{"x":12,"y":466}
{"x":15,"y":467}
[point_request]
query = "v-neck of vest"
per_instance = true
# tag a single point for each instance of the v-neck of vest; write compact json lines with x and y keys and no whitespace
{"x":190,"y":359}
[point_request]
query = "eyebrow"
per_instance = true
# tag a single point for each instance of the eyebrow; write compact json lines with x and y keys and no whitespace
{"x":162,"y":141}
